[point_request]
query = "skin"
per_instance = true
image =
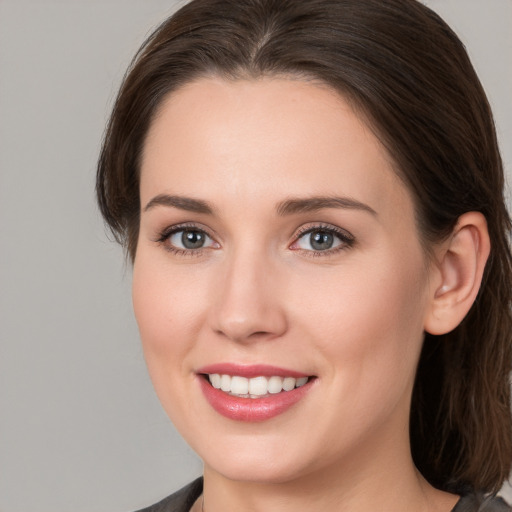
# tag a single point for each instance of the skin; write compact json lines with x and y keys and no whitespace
{"x":259,"y":293}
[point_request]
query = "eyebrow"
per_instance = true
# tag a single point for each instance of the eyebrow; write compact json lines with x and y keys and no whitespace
{"x":288,"y":207}
{"x":313,"y":204}
{"x":183,"y":203}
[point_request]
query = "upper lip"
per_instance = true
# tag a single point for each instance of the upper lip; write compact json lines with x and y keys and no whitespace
{"x":250,"y":370}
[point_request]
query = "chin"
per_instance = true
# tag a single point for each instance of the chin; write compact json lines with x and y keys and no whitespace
{"x":259,"y":471}
{"x":256,"y":459}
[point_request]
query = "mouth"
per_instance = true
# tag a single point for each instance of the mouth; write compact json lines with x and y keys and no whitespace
{"x":253,"y":393}
{"x":255,"y":387}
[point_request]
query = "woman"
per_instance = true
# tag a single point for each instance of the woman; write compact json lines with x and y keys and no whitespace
{"x":311,"y":194}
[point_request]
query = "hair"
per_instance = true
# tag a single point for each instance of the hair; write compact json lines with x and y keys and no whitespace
{"x":408,"y":74}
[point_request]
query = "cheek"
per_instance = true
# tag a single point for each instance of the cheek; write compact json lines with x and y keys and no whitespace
{"x":167,"y":306}
{"x":368,"y":322}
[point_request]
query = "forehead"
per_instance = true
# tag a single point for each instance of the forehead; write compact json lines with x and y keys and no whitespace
{"x":265,"y":138}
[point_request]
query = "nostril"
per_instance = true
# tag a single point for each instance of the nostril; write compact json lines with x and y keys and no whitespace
{"x":259,"y":334}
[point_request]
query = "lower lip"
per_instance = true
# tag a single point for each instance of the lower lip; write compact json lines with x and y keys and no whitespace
{"x":252,"y":409}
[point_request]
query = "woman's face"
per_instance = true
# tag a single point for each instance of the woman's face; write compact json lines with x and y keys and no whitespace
{"x":277,"y":246}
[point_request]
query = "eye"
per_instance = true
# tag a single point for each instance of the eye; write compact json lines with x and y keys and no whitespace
{"x":186,"y":240}
{"x":190,"y":239}
{"x":322,"y":239}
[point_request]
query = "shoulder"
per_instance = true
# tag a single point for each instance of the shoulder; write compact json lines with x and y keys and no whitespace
{"x":476,"y":502}
{"x":180,"y":501}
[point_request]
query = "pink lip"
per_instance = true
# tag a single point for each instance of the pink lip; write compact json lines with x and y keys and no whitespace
{"x":251,"y":409}
{"x":249,"y":371}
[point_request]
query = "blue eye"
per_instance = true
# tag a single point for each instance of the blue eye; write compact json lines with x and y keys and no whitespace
{"x":190,"y":239}
{"x":321,"y":239}
{"x":186,"y":239}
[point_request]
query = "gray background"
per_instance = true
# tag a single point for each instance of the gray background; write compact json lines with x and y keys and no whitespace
{"x":80,"y":427}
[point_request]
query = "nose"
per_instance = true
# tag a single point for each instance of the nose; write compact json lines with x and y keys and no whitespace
{"x":248,"y":305}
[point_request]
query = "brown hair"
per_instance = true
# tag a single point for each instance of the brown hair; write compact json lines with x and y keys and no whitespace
{"x":405,"y":70}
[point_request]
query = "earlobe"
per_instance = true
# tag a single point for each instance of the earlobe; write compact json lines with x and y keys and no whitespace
{"x":457,"y":274}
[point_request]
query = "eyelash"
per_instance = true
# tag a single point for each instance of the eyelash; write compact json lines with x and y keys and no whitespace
{"x":346,"y":239}
{"x":165,"y":235}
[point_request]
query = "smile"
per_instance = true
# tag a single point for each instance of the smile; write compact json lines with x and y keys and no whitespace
{"x":252,"y":393}
{"x":255,"y":387}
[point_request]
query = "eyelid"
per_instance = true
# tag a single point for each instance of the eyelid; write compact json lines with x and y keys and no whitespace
{"x":346,"y":238}
{"x":182,"y":226}
{"x":165,"y":234}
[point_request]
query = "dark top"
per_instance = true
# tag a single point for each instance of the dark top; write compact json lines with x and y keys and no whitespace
{"x":183,"y":500}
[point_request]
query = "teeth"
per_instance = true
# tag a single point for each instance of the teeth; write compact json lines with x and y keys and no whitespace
{"x":255,"y":387}
{"x":239,"y":385}
{"x":275,"y":385}
{"x":225,"y":383}
{"x":301,"y":381}
{"x":289,"y":383}
{"x":215,"y":380}
{"x":258,"y":386}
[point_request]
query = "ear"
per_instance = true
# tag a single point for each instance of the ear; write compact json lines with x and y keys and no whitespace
{"x":457,"y":273}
